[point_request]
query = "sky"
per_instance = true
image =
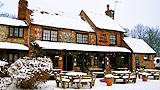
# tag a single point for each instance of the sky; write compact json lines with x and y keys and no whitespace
{"x":128,"y":13}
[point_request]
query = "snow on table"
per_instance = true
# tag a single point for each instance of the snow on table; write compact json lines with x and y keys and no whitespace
{"x":76,"y":73}
{"x":139,"y":85}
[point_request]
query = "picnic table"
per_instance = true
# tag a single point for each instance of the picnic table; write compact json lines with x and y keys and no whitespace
{"x":57,"y":70}
{"x":98,"y":71}
{"x":75,"y":73}
{"x":125,"y":75}
{"x":153,"y":72}
{"x":122,"y":69}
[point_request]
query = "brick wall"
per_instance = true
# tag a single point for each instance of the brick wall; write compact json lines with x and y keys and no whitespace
{"x":64,"y":35}
{"x":103,"y":37}
{"x":23,"y":12}
{"x":142,"y":62}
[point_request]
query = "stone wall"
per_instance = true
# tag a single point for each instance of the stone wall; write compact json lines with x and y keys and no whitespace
{"x":4,"y":31}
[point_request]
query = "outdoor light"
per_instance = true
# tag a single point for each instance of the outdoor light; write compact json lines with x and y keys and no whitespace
{"x":57,"y":56}
{"x":75,"y":59}
{"x":122,"y":57}
{"x":95,"y":57}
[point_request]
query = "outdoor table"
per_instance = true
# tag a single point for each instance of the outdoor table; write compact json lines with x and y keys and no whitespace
{"x":74,"y":74}
{"x":57,"y":70}
{"x":122,"y":69}
{"x":121,"y":72}
{"x":151,"y":70}
{"x":95,"y":69}
{"x":121,"y":75}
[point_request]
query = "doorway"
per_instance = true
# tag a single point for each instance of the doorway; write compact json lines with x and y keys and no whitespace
{"x":102,"y":62}
{"x":68,"y":63}
{"x":113,"y":62}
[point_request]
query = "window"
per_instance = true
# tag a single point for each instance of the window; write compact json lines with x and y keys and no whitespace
{"x":12,"y":57}
{"x":50,"y":35}
{"x":17,"y":32}
{"x":148,"y":57}
{"x":82,"y":38}
{"x":113,"y":39}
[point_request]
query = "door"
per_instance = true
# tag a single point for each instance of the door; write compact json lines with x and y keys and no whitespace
{"x":68,"y":63}
{"x":137,"y":62}
{"x":102,"y":62}
{"x":113,"y":62}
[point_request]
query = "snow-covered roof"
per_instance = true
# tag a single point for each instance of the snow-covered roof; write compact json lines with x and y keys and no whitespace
{"x":79,"y":47}
{"x":12,"y":22}
{"x":103,"y":21}
{"x":59,"y":19}
{"x":7,"y":45}
{"x":138,"y":45}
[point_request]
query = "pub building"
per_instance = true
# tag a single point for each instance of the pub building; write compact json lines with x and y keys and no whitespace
{"x":88,"y":40}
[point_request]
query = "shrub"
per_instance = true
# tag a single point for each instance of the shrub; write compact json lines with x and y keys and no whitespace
{"x":3,"y":68}
{"x":28,"y":73}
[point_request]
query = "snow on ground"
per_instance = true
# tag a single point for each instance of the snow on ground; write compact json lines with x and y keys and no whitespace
{"x":139,"y":85}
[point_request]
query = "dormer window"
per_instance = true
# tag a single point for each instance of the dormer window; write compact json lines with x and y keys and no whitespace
{"x":16,"y":32}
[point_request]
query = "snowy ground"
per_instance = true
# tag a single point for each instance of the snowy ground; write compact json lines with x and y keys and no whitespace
{"x":139,"y":85}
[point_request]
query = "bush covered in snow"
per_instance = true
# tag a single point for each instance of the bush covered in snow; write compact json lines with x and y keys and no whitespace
{"x":3,"y":68}
{"x":28,"y":73}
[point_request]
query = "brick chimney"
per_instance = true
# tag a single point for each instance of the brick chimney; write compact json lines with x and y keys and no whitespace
{"x":109,"y":12}
{"x":23,"y":12}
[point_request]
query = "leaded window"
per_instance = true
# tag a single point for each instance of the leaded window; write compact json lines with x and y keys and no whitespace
{"x":82,"y":38}
{"x":17,"y":32}
{"x":50,"y":35}
{"x":113,"y":39}
{"x":12,"y":57}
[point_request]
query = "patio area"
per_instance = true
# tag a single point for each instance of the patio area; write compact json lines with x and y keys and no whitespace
{"x":151,"y":84}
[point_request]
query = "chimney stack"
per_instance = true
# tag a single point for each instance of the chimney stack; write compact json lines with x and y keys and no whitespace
{"x":109,"y":12}
{"x":23,"y":12}
{"x":107,"y":7}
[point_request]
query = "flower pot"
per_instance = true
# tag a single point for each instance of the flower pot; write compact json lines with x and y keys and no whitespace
{"x":109,"y":81}
{"x":144,"y":78}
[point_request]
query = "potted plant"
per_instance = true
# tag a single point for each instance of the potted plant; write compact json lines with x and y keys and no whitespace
{"x":144,"y":76}
{"x":108,"y":79}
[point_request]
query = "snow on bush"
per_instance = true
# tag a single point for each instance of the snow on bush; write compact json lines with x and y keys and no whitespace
{"x":28,"y":73}
{"x":3,"y":68}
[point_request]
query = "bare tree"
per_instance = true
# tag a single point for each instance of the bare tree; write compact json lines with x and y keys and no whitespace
{"x":6,"y":14}
{"x":150,"y":35}
{"x":1,"y":4}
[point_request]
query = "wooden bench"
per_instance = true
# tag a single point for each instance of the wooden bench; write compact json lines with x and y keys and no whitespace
{"x":84,"y":79}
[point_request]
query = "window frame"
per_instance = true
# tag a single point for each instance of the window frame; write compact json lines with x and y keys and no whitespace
{"x":50,"y":37}
{"x":14,"y":32}
{"x":82,"y":42}
{"x":149,"y":57}
{"x":13,"y":56}
{"x":111,"y":39}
